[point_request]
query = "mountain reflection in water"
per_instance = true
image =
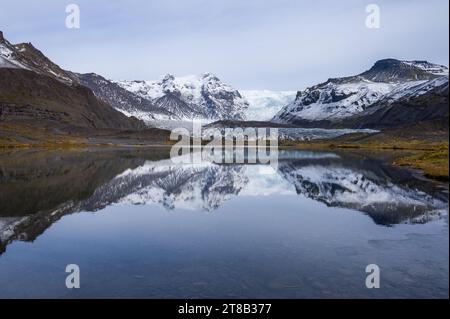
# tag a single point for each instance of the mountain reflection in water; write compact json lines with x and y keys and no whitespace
{"x":38,"y":188}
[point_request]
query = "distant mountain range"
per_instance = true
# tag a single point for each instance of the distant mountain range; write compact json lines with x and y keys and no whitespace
{"x":206,"y":97}
{"x":191,"y":97}
{"x":202,"y":96}
{"x":391,"y":93}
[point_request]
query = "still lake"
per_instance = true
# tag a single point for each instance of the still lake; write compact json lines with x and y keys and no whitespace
{"x":139,"y":225}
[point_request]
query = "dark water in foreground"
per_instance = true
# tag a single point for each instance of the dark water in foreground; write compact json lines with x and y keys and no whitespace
{"x":139,"y":226}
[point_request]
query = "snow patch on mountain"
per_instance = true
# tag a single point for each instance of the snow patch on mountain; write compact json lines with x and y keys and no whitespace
{"x":7,"y":56}
{"x":429,"y":67}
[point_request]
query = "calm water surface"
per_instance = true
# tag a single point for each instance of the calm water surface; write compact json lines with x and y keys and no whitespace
{"x":140,"y":226}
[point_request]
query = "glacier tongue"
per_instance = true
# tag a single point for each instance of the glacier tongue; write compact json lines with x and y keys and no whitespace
{"x":264,"y":104}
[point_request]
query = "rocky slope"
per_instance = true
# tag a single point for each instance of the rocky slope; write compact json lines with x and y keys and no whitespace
{"x":34,"y":89}
{"x":122,"y":100}
{"x":373,"y":99}
{"x":26,"y":56}
{"x":29,"y":96}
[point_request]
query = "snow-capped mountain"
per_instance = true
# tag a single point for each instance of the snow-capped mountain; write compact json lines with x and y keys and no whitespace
{"x":264,"y":104}
{"x":192,"y":97}
{"x":122,"y":100}
{"x":340,"y":99}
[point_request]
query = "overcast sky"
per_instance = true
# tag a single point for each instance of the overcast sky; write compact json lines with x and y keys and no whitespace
{"x":250,"y":44}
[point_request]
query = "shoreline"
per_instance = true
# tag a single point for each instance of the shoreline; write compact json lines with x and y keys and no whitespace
{"x":430,"y":160}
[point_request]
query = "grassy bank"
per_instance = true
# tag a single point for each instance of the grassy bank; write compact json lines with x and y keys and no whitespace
{"x":434,"y":164}
{"x":431,"y":157}
{"x":22,"y":135}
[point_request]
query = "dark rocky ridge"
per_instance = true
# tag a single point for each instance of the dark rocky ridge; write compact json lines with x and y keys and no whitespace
{"x":392,"y":93}
{"x":27,"y":95}
{"x":32,"y":59}
{"x":171,"y":101}
{"x":118,"y":97}
{"x":387,"y":70}
{"x":34,"y":89}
